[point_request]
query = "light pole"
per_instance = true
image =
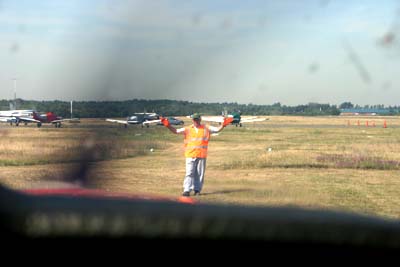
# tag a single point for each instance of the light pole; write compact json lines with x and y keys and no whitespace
{"x":15,"y":93}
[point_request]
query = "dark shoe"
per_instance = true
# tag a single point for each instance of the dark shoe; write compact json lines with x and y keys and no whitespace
{"x":196,"y":193}
{"x":186,"y":194}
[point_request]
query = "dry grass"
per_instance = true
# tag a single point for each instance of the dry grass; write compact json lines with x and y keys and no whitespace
{"x":32,"y":146}
{"x":309,"y":162}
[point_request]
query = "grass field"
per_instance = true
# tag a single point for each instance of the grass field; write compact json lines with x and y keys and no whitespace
{"x":334,"y":163}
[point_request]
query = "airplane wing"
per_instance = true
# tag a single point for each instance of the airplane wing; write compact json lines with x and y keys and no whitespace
{"x":65,"y":120}
{"x":252,"y":119}
{"x":27,"y":119}
{"x":152,"y":121}
{"x":62,"y":120}
{"x":220,"y":119}
{"x":212,"y":118}
{"x":117,"y":121}
{"x":7,"y":119}
{"x":132,"y":122}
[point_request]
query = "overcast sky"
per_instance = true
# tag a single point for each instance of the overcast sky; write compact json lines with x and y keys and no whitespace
{"x":259,"y":52}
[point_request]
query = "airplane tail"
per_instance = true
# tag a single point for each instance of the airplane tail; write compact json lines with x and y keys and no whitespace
{"x":51,"y":116}
{"x":12,"y":106}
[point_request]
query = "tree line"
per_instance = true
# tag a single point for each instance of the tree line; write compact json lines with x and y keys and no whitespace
{"x":105,"y":109}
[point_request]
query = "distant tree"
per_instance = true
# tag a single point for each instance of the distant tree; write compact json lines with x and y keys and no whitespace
{"x":346,"y":105}
{"x":121,"y":109}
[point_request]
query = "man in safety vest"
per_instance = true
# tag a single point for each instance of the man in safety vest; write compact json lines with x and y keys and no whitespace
{"x":196,"y":140}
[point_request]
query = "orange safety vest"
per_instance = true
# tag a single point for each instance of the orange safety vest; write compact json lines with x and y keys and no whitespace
{"x":196,"y":143}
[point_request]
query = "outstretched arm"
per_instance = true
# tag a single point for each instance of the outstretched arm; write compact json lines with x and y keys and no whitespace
{"x":219,"y":128}
{"x":172,"y":129}
{"x":222,"y":126}
{"x":225,"y":123}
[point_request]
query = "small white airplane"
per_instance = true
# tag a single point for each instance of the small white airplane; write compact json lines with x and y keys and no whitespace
{"x":11,"y":116}
{"x":237,"y":119}
{"x":48,"y":117}
{"x":138,"y":118}
{"x":39,"y":119}
{"x":31,"y":116}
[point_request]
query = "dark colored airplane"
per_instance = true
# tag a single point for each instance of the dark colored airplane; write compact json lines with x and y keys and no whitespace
{"x":138,"y":118}
{"x":39,"y":119}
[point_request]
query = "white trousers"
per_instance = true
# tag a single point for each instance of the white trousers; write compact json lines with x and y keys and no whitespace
{"x":194,"y":178}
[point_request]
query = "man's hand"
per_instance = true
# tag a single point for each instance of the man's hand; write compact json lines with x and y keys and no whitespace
{"x":227,"y":121}
{"x":165,"y":121}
